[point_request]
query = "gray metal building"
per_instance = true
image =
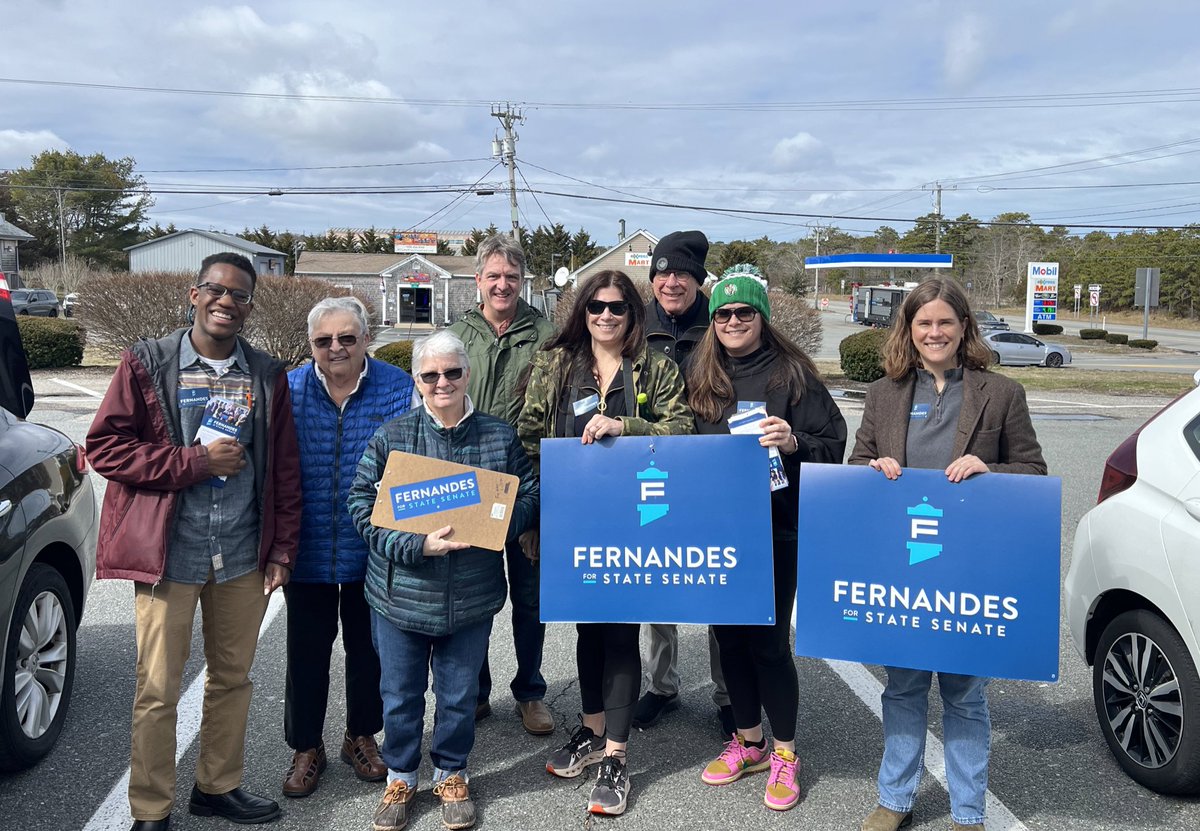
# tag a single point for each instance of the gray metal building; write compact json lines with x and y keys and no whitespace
{"x":184,"y":250}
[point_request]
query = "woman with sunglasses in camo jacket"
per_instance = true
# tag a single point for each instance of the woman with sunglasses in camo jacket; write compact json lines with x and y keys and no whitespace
{"x":741,"y":363}
{"x":597,"y":378}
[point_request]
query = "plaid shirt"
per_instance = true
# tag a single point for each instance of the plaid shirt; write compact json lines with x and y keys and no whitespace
{"x":216,"y":528}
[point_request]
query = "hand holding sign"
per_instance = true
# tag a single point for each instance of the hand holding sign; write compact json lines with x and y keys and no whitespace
{"x":436,"y":544}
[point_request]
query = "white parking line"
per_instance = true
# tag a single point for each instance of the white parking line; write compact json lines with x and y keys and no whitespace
{"x":113,"y":813}
{"x":1089,"y":405}
{"x":78,"y":388}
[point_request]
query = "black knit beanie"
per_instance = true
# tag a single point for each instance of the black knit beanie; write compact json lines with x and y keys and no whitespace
{"x":681,"y":251}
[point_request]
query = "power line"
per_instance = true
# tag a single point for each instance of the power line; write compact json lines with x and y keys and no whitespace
{"x":1033,"y":101}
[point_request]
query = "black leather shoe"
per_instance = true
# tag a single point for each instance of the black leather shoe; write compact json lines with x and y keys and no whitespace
{"x":236,"y":806}
{"x":152,"y":824}
{"x":651,"y":708}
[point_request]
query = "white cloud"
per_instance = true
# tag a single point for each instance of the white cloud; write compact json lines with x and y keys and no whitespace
{"x":799,"y":151}
{"x":17,"y":147}
{"x":596,"y":152}
{"x":965,"y":51}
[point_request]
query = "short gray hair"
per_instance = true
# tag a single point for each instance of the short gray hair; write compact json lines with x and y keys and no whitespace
{"x":503,"y":245}
{"x":437,"y":345}
{"x":330,"y":305}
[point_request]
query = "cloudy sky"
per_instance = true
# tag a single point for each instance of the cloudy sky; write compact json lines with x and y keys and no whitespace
{"x":843,"y":113}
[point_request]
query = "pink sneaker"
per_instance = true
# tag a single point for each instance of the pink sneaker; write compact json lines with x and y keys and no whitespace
{"x":783,"y":786}
{"x":735,"y":760}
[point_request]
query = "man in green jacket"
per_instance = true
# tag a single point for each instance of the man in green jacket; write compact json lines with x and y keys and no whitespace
{"x":501,"y":335}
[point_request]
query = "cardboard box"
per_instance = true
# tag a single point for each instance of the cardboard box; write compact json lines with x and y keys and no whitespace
{"x":420,"y":495}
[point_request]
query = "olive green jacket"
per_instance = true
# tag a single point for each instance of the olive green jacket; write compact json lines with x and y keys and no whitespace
{"x":663,"y":410}
{"x":498,"y":362}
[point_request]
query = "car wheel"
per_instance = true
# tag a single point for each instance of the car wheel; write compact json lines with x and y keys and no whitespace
{"x":54,"y":313}
{"x":1054,"y":360}
{"x":39,"y":668}
{"x":1147,"y":697}
{"x":995,"y":358}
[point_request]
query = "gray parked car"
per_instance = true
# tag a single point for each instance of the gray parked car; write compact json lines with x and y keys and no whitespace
{"x":1017,"y":349}
{"x":40,"y":302}
{"x":988,"y":322}
{"x":48,"y":524}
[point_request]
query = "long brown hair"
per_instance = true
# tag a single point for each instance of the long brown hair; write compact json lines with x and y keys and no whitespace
{"x":900,"y":356}
{"x":575,"y":339}
{"x":710,"y":389}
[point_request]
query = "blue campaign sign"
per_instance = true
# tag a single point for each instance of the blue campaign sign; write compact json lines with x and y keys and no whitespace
{"x":923,"y":573}
{"x":657,"y":529}
{"x":433,"y":495}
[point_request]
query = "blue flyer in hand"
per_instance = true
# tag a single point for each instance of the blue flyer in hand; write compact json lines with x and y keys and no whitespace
{"x":223,"y":419}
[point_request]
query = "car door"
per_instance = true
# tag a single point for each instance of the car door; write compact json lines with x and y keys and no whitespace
{"x":1026,"y":349}
{"x":1181,"y":531}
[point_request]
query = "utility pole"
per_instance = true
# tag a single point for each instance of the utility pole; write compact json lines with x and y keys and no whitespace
{"x":506,"y":150}
{"x":62,"y":237}
{"x":817,"y":271}
{"x":937,"y":221}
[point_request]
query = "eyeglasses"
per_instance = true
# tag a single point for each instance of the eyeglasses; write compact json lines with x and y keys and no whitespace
{"x":431,"y":378}
{"x":217,"y":291}
{"x":743,"y":313}
{"x":617,"y":307}
{"x":325,"y":341}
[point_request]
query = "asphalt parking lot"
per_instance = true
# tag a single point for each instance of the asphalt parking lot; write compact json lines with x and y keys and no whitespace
{"x":1050,"y":767}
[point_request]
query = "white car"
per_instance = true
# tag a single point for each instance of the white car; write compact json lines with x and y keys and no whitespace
{"x":1017,"y":349}
{"x":1133,"y":599}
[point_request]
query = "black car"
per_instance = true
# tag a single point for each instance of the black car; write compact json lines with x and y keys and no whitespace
{"x":48,"y":523}
{"x":988,"y":322}
{"x":38,"y":302}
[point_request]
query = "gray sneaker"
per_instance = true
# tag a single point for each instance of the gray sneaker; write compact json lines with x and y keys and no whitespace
{"x":392,"y":813}
{"x":458,"y":811}
{"x":612,"y":786}
{"x":585,"y":748}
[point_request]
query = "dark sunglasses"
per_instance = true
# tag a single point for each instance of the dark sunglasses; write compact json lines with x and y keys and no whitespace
{"x":325,"y":341}
{"x":431,"y":378}
{"x":217,"y":291}
{"x":617,"y":307}
{"x":743,"y":313}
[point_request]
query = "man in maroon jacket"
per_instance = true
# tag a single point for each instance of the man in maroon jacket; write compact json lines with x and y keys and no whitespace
{"x":197,"y":441}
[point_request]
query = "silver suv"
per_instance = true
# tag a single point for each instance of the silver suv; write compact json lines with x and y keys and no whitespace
{"x":40,"y":302}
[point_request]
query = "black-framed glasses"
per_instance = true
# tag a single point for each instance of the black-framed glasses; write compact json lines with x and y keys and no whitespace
{"x":217,"y":291}
{"x":743,"y":313}
{"x":617,"y":307}
{"x":431,"y":378}
{"x":325,"y":341}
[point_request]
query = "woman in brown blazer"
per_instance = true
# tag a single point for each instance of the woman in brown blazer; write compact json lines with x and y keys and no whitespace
{"x":938,"y":407}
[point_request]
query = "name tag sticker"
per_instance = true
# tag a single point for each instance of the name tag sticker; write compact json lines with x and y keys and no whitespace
{"x":585,"y":405}
{"x":188,"y":398}
{"x":919,"y":412}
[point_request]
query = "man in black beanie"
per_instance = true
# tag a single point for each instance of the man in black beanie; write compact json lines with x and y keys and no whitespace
{"x":676,"y":319}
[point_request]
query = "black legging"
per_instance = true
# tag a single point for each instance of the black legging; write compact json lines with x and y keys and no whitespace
{"x":610,"y":673}
{"x":760,"y":672}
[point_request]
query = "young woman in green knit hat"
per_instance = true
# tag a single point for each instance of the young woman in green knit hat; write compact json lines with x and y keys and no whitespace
{"x":741,"y":363}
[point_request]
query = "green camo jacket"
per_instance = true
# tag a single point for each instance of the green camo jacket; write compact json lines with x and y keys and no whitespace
{"x":664,"y":412}
{"x":497,"y":362}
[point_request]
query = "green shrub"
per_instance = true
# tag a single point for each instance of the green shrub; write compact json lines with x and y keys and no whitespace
{"x":398,"y":353}
{"x":1138,"y":343}
{"x":1113,"y":337}
{"x":1093,"y":334}
{"x":861,"y":355}
{"x":1047,"y":329}
{"x":51,"y":343}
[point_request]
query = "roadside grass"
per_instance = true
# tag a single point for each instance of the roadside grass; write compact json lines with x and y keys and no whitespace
{"x":1069,"y":379}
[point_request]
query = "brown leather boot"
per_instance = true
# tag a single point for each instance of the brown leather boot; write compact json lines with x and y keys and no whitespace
{"x":885,"y":819}
{"x":362,"y":754}
{"x":304,"y":774}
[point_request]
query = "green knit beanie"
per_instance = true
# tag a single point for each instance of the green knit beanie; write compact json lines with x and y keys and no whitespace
{"x":740,"y":287}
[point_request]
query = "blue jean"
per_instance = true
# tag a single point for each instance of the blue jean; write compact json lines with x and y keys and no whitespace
{"x":529,"y":633}
{"x":405,"y":660}
{"x":967,"y":730}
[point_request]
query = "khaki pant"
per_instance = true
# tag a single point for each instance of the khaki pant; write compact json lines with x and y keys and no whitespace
{"x":660,"y":657}
{"x":231,"y":613}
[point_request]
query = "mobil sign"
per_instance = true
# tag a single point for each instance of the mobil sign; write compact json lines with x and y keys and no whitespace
{"x":1042,"y":290}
